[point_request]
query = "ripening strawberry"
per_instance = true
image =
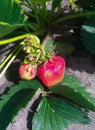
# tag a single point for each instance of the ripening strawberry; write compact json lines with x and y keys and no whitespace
{"x":27,"y":71}
{"x":52,"y":71}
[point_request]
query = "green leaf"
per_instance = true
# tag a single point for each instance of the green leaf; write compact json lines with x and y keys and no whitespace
{"x":17,"y":97}
{"x":46,"y":119}
{"x":72,"y":89}
{"x":11,"y":16}
{"x":88,"y":34}
{"x":69,"y":111}
{"x":55,"y":113}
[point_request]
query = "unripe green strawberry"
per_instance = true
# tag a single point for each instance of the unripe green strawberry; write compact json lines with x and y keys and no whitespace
{"x":27,"y":71}
{"x":51,"y":72}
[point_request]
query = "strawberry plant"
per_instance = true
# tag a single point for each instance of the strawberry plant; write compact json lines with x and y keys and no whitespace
{"x":63,"y":100}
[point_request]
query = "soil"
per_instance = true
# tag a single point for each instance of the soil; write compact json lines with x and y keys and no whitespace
{"x":84,"y":69}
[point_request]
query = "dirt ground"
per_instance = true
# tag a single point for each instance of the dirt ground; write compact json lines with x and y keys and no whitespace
{"x":84,"y":69}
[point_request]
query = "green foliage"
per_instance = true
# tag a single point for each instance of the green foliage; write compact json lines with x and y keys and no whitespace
{"x":42,"y":17}
{"x":64,"y":105}
{"x":69,"y":110}
{"x":45,"y":16}
{"x":73,"y":90}
{"x":13,"y":105}
{"x":47,"y":119}
{"x":11,"y":16}
{"x":53,"y":113}
{"x":17,"y":97}
{"x":88,"y":34}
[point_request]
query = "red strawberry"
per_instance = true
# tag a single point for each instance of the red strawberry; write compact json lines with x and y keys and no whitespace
{"x":27,"y":71}
{"x":51,"y":72}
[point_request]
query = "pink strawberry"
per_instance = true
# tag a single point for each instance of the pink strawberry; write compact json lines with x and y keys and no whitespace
{"x":27,"y":71}
{"x":51,"y":72}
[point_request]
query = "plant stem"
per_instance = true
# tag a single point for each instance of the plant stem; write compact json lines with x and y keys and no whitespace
{"x":75,"y":16}
{"x":72,"y":3}
{"x":9,"y":63}
{"x":42,"y":48}
{"x":9,"y":56}
{"x":3,"y":42}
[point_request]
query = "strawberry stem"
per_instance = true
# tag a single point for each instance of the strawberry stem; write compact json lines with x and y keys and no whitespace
{"x":3,"y":42}
{"x":73,"y":16}
{"x":9,"y":56}
{"x":13,"y":54}
{"x":42,"y":48}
